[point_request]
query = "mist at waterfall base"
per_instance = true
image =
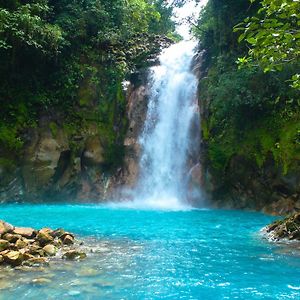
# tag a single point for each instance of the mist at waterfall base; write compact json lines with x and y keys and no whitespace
{"x":166,"y":141}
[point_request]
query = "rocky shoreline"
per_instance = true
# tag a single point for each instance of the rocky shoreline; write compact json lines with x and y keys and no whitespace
{"x":287,"y":229}
{"x":22,"y":246}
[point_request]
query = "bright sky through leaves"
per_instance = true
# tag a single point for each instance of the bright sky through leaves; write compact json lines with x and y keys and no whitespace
{"x":191,"y":9}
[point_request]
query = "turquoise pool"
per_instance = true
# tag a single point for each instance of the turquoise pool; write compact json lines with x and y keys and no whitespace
{"x":193,"y":254}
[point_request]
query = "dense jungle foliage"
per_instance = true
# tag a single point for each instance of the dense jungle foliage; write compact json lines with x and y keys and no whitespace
{"x":70,"y":57}
{"x":250,"y":90}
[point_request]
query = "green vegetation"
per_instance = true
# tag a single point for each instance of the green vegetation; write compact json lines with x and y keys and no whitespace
{"x":250,"y":111}
{"x":68,"y":58}
{"x":273,"y":35}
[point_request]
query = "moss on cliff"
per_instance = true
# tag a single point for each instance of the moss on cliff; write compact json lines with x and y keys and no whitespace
{"x":274,"y":136}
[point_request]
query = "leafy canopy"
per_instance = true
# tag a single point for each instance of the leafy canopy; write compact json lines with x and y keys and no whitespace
{"x":273,"y":36}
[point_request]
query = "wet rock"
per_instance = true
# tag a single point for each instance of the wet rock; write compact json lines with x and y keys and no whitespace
{"x":289,"y":228}
{"x":65,"y":234}
{"x":27,"y":247}
{"x":57,"y":243}
{"x":13,"y":258}
{"x":5,"y":227}
{"x":44,"y":236}
{"x":12,"y":238}
{"x":4,"y":244}
{"x":35,"y":250}
{"x":25,"y":231}
{"x":27,"y":256}
{"x":68,"y":240}
{"x":50,"y":250}
{"x":21,"y":244}
{"x":74,"y":255}
{"x":36,"y":262}
{"x":58,"y":233}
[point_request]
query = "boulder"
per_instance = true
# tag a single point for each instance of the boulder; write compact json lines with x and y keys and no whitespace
{"x":14,"y":258}
{"x":44,"y":236}
{"x":4,"y":244}
{"x":50,"y":250}
{"x":12,"y":238}
{"x":25,"y":231}
{"x":35,"y":250}
{"x":5,"y":227}
{"x":21,"y":243}
{"x":68,"y":240}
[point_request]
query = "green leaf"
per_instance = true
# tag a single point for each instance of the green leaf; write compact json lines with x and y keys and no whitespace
{"x":251,"y":40}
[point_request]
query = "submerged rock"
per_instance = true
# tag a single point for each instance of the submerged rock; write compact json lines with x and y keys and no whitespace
{"x":68,"y":240}
{"x":36,"y":262}
{"x":41,"y":280}
{"x":74,"y":255}
{"x":289,"y":228}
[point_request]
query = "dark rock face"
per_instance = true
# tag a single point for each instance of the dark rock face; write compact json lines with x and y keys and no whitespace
{"x":243,"y":185}
{"x":57,"y":165}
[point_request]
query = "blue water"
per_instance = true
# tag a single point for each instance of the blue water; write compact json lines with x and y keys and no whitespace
{"x":198,"y":254}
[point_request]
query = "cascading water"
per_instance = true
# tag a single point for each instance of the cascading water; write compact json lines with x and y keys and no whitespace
{"x":165,"y":138}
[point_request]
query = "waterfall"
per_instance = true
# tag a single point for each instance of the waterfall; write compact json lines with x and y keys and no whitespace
{"x":166,"y":138}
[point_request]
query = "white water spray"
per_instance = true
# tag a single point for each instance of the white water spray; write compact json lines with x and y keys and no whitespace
{"x":165,"y":138}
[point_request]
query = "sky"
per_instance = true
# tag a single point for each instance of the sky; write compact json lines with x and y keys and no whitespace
{"x":188,"y":10}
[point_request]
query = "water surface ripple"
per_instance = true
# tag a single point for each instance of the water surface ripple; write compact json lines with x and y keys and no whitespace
{"x":196,"y":254}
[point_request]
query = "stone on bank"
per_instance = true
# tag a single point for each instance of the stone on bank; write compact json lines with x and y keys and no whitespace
{"x":22,"y":246}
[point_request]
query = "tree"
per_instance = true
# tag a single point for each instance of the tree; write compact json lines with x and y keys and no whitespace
{"x":273,"y":36}
{"x":26,"y":25}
